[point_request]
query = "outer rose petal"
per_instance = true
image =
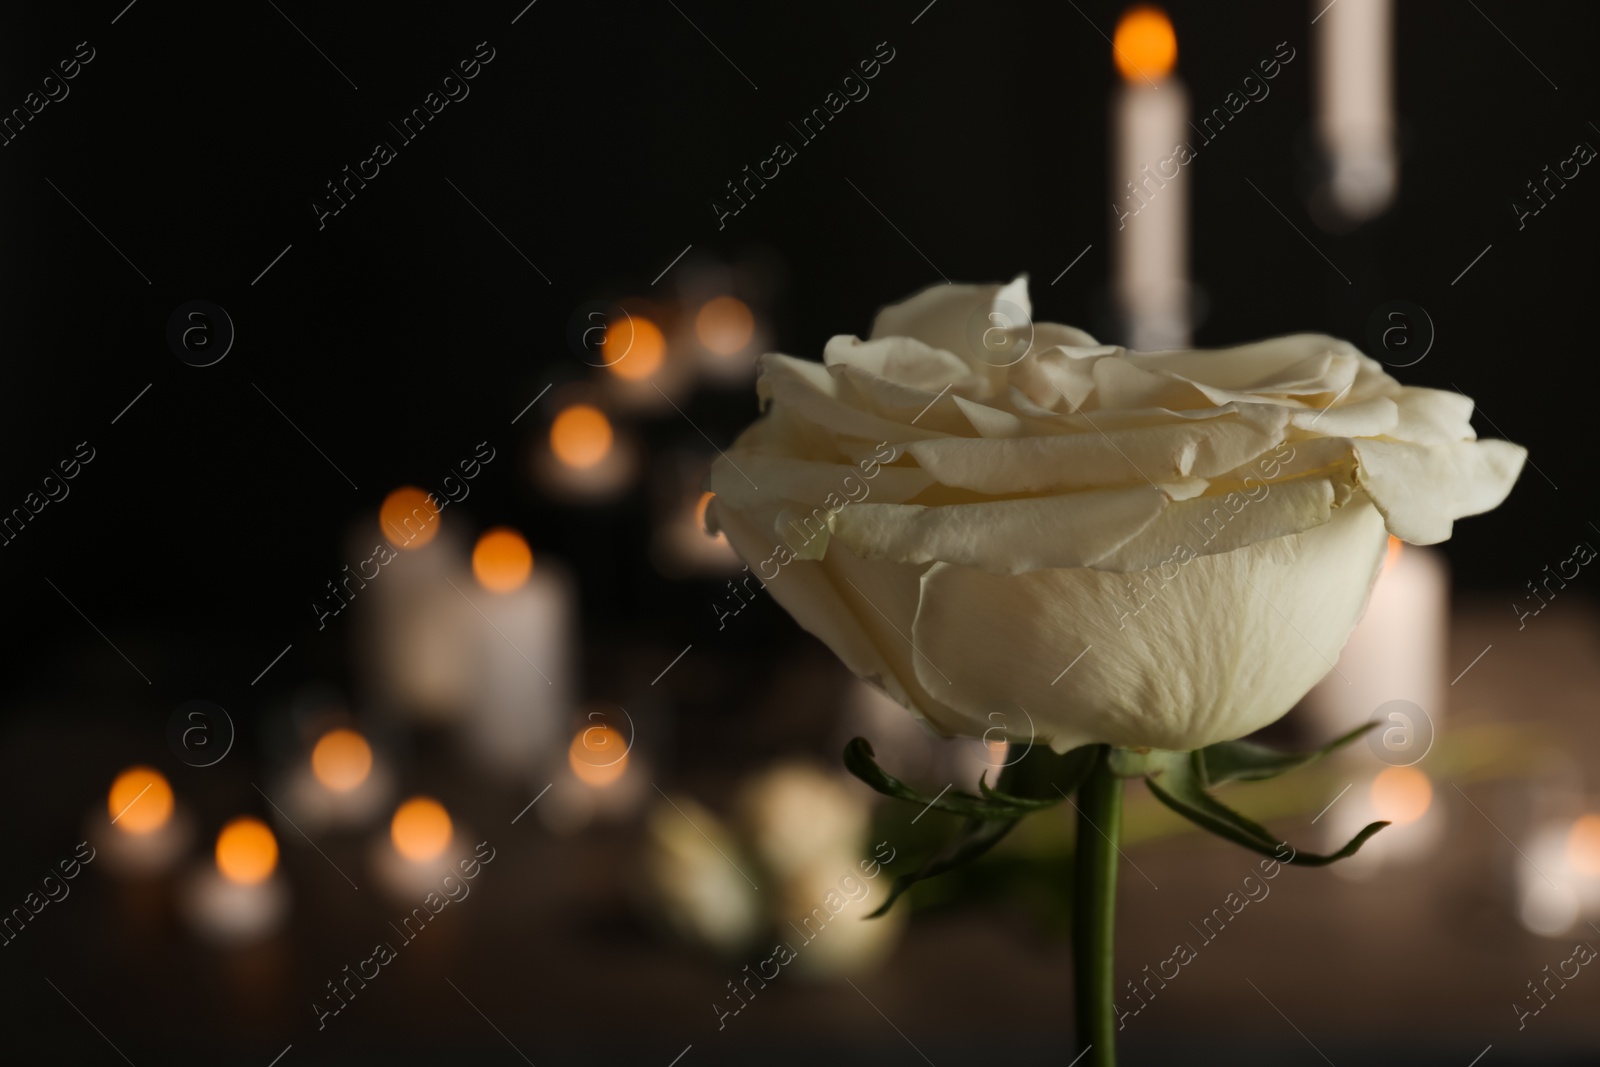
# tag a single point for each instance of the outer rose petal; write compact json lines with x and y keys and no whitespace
{"x":1221,"y":647}
{"x":861,"y":610}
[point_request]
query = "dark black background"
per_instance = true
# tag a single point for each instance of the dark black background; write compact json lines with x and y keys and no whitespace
{"x":407,"y":329}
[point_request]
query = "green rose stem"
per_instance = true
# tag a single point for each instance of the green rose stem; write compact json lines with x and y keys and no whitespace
{"x":1094,"y":902}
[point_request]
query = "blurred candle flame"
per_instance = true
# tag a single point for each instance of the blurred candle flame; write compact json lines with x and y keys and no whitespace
{"x":421,"y":829}
{"x":725,"y":325}
{"x":1401,"y":795}
{"x":409,"y":517}
{"x":502,"y":560}
{"x":341,"y":760}
{"x":1145,"y":45}
{"x":140,"y":800}
{"x":634,"y":347}
{"x":598,"y":755}
{"x":581,"y":436}
{"x":247,"y":853}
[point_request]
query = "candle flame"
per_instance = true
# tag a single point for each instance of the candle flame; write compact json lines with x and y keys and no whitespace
{"x":247,"y":852}
{"x":1393,"y":554}
{"x":1145,"y":46}
{"x":725,"y":325}
{"x":409,"y":517}
{"x":581,"y":436}
{"x":140,"y":800}
{"x":1401,"y":795}
{"x":502,"y":560}
{"x":598,"y":755}
{"x":421,"y":829}
{"x":1583,"y":845}
{"x":341,"y":760}
{"x":634,"y":348}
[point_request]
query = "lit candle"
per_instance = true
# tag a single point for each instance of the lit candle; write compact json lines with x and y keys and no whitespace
{"x":1559,"y":882}
{"x":342,"y":784}
{"x":143,"y":830}
{"x":1355,"y":105}
{"x":682,"y":546}
{"x":1150,"y":194}
{"x":726,"y":330}
{"x":1396,"y":653}
{"x":643,"y":370}
{"x":420,"y":846}
{"x":602,"y":779}
{"x":242,"y":898}
{"x":524,"y":648}
{"x":585,"y":460}
{"x":417,"y":630}
{"x":1401,"y":796}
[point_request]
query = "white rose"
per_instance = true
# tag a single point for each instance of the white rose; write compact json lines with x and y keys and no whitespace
{"x":959,"y":524}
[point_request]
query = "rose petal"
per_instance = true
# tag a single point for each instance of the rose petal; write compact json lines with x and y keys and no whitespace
{"x":1423,"y":489}
{"x":1151,"y":676}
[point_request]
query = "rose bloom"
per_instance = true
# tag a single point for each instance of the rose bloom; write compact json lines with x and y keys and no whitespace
{"x":1016,"y":531}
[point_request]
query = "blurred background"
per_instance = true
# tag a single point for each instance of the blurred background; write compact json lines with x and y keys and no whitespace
{"x":248,"y":349}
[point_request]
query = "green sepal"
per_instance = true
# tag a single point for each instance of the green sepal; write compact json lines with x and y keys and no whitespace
{"x":1036,"y":779}
{"x":1181,"y":788}
{"x":1039,"y":778}
{"x":977,"y":837}
{"x":1246,"y":761}
{"x":993,"y":805}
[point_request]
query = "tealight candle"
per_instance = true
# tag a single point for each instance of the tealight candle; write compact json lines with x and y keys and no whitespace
{"x":242,"y":898}
{"x":584,"y":458}
{"x":342,"y":784}
{"x":525,"y":623}
{"x":602,"y":779}
{"x":146,"y":831}
{"x":421,"y":842}
{"x":644,"y":371}
{"x":682,"y":546}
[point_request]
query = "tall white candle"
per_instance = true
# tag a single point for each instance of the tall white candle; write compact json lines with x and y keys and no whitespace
{"x":525,"y":642}
{"x":418,"y":628}
{"x":1149,"y":184}
{"x":1397,"y":653}
{"x":1355,"y":104}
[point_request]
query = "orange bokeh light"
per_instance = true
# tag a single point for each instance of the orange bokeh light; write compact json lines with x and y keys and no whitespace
{"x":409,"y":517}
{"x":598,"y":755}
{"x":725,"y":325}
{"x":502,"y":560}
{"x":581,"y":436}
{"x":421,"y":829}
{"x":700,"y":518}
{"x":140,"y":800}
{"x":1393,"y":553}
{"x":1583,"y":845}
{"x":1401,"y":795}
{"x":1145,"y":45}
{"x":633,"y":348}
{"x":247,"y":853}
{"x":341,"y":760}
